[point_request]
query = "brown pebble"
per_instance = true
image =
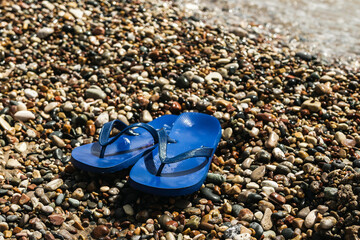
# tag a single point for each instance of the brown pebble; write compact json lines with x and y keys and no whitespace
{"x":277,"y":198}
{"x":267,"y":117}
{"x":98,"y":31}
{"x":100,"y":232}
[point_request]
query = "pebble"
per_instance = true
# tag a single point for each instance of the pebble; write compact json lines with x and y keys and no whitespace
{"x":215,"y":178}
{"x":328,"y":222}
{"x":100,"y":232}
{"x":227,"y":133}
{"x":95,"y":92}
{"x":272,"y":141}
{"x":45,"y":32}
{"x":54,"y":184}
{"x":128,"y":209}
{"x":258,"y":173}
{"x":51,"y":106}
{"x":311,"y":218}
{"x":58,"y":141}
{"x":56,"y":219}
{"x":4,"y":124}
{"x":208,"y":193}
{"x":30,"y":93}
{"x":24,"y":116}
{"x":102,"y":119}
{"x":312,"y":105}
{"x":290,"y":134}
{"x":266,"y":222}
{"x":145,"y":116}
{"x":74,"y":202}
{"x":213,"y":76}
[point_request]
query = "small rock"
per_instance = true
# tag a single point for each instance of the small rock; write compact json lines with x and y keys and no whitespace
{"x":258,"y":173}
{"x":312,"y":105}
{"x":263,"y":156}
{"x":95,"y":92}
{"x":21,"y":147}
{"x":330,"y":192}
{"x":213,"y":76}
{"x":78,"y":194}
{"x":128,"y":209}
{"x":272,"y":140}
{"x":24,"y":116}
{"x":68,"y":106}
{"x":277,"y":198}
{"x":278,"y":154}
{"x":58,"y":141}
{"x":54,"y":184}
{"x":50,"y":106}
{"x":102,"y":119}
{"x":13,"y":164}
{"x":232,"y":232}
{"x":227,"y":133}
{"x":45,"y":32}
{"x":266,"y":222}
{"x":215,"y":178}
{"x":193,"y":222}
{"x":145,"y":116}
{"x":327,"y":222}
{"x":56,"y":219}
{"x":311,"y":218}
{"x":47,"y":209}
{"x":4,"y":124}
{"x":74,"y":202}
{"x":76,"y":12}
{"x":208,"y":193}
{"x":246,"y":215}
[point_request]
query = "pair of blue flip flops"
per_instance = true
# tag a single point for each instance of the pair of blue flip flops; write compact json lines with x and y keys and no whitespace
{"x":171,"y":155}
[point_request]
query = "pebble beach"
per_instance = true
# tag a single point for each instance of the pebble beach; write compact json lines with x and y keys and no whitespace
{"x":287,"y":165}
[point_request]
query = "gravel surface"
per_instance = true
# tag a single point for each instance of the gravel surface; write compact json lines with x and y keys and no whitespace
{"x":287,"y":166}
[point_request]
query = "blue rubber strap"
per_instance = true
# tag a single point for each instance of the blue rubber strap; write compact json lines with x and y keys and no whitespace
{"x":163,"y":140}
{"x":198,"y":152}
{"x":105,"y":141}
{"x":106,"y":130}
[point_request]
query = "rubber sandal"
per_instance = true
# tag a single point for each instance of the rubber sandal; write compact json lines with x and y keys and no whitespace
{"x":123,"y":150}
{"x":180,"y":168}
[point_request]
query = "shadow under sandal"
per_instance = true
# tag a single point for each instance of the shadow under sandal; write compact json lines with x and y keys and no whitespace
{"x":123,"y":150}
{"x":181,"y":166}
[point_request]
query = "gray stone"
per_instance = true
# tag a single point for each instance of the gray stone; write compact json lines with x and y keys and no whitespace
{"x":215,"y":178}
{"x":330,"y":192}
{"x":74,"y":202}
{"x":327,"y":222}
{"x":102,"y":119}
{"x":54,"y":184}
{"x":30,"y":93}
{"x":258,"y":173}
{"x":95,"y":92}
{"x":128,"y":209}
{"x":45,"y":32}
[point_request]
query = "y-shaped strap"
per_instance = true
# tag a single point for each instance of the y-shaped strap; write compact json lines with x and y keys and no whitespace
{"x":163,"y":140}
{"x":104,"y":138}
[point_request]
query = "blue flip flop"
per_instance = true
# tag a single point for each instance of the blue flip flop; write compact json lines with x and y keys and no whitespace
{"x":123,"y":150}
{"x":179,"y":168}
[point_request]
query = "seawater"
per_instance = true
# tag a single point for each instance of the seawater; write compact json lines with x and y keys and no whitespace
{"x":328,"y":28}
